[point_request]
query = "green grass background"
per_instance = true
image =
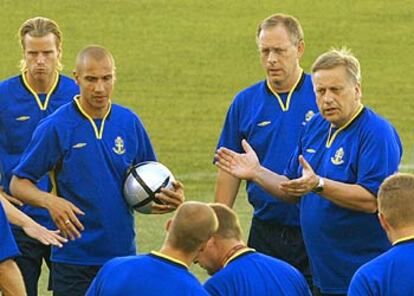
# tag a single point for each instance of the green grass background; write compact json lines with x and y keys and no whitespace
{"x":180,"y":62}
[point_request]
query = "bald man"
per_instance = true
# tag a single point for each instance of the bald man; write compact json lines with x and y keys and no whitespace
{"x":392,"y":272}
{"x":88,"y":145}
{"x":239,"y":270}
{"x":164,"y":272}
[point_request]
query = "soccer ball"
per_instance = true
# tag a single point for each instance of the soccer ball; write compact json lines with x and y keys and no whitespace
{"x":143,"y":181}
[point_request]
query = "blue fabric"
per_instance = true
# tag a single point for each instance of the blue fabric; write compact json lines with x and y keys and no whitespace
{"x":145,"y":275}
{"x":8,"y":247}
{"x":90,"y":173}
{"x":389,"y":274}
{"x":255,"y":115}
{"x":253,"y":273}
{"x":19,"y":116}
{"x":339,"y":240}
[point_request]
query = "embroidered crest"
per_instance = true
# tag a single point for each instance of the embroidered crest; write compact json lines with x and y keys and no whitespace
{"x":308,"y":116}
{"x":119,"y":146}
{"x":337,"y":159}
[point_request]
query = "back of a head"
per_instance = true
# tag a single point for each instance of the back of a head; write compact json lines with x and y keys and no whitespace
{"x":93,"y":52}
{"x":192,"y":225}
{"x":291,"y":24}
{"x":336,"y":58}
{"x":229,"y":224}
{"x":396,"y":200}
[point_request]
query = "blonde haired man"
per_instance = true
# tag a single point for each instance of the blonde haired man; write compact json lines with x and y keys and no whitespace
{"x":392,"y":272}
{"x":26,"y":99}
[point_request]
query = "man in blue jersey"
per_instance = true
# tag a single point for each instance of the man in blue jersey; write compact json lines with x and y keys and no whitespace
{"x":11,"y":281}
{"x":392,"y":272}
{"x":25,"y":99}
{"x":343,"y":156}
{"x":270,"y":115}
{"x":239,"y":270}
{"x":88,"y":144}
{"x":164,"y":272}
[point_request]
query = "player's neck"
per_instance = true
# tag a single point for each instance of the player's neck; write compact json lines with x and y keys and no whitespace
{"x":402,"y":234}
{"x":288,"y":84}
{"x":41,"y":86}
{"x":231,"y":248}
{"x":183,"y":257}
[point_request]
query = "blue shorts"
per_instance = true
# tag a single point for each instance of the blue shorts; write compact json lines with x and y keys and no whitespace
{"x":72,"y":279}
{"x":30,"y":262}
{"x":284,"y":242}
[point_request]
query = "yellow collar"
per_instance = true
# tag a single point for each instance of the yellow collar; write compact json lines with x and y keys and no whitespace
{"x":98,"y":133}
{"x":285,"y":107}
{"x":158,"y":254}
{"x":406,"y":238}
{"x":43,"y":106}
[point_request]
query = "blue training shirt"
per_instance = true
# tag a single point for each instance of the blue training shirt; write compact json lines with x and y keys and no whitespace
{"x":391,"y":273}
{"x":364,"y":152}
{"x":8,"y":247}
{"x":90,"y":159}
{"x":21,"y":109}
{"x":272,"y":128}
{"x":250,"y":273}
{"x":153,"y":274}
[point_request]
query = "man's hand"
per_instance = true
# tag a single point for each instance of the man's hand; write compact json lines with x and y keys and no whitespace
{"x":42,"y":234}
{"x":240,"y":165}
{"x":171,"y":199}
{"x":64,"y":214}
{"x":303,"y":185}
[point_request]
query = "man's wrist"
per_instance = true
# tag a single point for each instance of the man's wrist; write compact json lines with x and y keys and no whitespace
{"x":320,"y":186}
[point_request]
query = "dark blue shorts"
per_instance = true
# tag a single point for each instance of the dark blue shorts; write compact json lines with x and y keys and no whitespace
{"x":30,"y":262}
{"x":280,"y":241}
{"x":72,"y":279}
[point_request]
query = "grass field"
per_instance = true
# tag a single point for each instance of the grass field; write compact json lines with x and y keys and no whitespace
{"x":180,"y":62}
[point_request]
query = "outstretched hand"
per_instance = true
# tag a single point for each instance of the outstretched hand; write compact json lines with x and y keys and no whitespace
{"x":240,"y":165}
{"x":171,"y":199}
{"x":303,"y":185}
{"x":42,"y":234}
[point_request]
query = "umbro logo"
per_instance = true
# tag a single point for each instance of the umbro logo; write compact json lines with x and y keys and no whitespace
{"x":264,"y":123}
{"x":79,"y":145}
{"x":23,"y":118}
{"x":310,"y":150}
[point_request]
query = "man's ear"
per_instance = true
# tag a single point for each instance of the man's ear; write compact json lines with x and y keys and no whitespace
{"x":168,"y":224}
{"x":384,"y":222}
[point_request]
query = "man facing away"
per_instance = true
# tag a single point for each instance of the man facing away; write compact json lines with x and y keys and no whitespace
{"x":392,"y":272}
{"x":88,"y":144}
{"x":236,"y":269}
{"x":270,"y":116}
{"x":164,"y":272}
{"x":25,"y":99}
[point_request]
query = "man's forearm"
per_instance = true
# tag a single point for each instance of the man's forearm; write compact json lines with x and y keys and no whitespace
{"x":227,"y":187}
{"x":11,"y":280}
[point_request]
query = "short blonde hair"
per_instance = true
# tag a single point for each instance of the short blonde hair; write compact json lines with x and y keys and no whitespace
{"x":291,"y":24}
{"x":192,"y":225}
{"x":229,"y":224}
{"x":95,"y":52}
{"x":40,"y":27}
{"x":339,"y":57}
{"x":396,"y":200}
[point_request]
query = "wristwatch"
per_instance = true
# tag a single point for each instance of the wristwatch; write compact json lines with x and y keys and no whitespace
{"x":319,"y":188}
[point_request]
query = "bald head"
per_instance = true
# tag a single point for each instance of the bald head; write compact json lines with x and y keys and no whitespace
{"x":395,"y":200}
{"x":95,"y":53}
{"x":192,"y":225}
{"x":229,"y":224}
